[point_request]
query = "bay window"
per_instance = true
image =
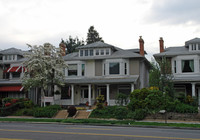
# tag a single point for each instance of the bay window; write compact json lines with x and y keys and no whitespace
{"x":187,"y":66}
{"x":114,"y":68}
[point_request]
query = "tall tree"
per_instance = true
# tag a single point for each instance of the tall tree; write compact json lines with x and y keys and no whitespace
{"x":44,"y":68}
{"x":71,"y":44}
{"x":93,"y":36}
{"x":160,"y":76}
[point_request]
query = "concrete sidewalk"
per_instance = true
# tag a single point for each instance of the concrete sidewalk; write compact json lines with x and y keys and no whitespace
{"x":170,"y":121}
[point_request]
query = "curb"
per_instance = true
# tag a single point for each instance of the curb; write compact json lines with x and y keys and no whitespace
{"x":96,"y":124}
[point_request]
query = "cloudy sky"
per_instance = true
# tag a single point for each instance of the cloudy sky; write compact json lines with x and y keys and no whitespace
{"x":119,"y":22}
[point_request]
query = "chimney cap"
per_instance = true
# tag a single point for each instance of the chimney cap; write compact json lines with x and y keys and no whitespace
{"x":161,"y":38}
{"x":141,"y":40}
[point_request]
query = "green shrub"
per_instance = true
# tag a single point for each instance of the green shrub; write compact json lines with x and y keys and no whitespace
{"x":139,"y":114}
{"x":48,"y":111}
{"x":28,"y":104}
{"x":185,"y":108}
{"x":146,"y":99}
{"x":107,"y":112}
{"x":100,"y":101}
{"x":121,"y":112}
{"x":121,"y":99}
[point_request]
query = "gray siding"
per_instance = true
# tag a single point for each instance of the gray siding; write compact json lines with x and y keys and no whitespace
{"x":134,"y":67}
{"x":144,"y":75}
{"x":1,"y":73}
{"x":98,"y":67}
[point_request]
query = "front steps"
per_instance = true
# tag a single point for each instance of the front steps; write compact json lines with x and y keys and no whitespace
{"x":62,"y":114}
{"x":82,"y":114}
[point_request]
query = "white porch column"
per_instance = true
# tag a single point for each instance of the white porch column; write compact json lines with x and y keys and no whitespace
{"x":132,"y":87}
{"x":193,"y":89}
{"x":72,"y":87}
{"x":108,"y":93}
{"x":89,"y":96}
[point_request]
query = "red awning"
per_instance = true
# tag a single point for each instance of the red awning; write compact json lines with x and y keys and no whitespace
{"x":11,"y":88}
{"x":13,"y":69}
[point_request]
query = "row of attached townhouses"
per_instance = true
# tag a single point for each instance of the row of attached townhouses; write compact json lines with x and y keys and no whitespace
{"x":95,"y":69}
{"x":101,"y":68}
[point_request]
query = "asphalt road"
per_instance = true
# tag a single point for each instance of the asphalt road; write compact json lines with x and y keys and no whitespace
{"x":37,"y":131}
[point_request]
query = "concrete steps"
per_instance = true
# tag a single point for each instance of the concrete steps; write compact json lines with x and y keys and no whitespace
{"x":62,"y":114}
{"x":82,"y":114}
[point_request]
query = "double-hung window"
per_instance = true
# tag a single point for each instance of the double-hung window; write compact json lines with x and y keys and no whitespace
{"x":187,"y":66}
{"x":72,"y":70}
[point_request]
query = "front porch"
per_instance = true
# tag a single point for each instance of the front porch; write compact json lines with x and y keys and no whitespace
{"x":86,"y":94}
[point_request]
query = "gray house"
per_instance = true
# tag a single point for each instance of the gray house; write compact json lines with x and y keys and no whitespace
{"x":185,"y":66}
{"x":101,"y":68}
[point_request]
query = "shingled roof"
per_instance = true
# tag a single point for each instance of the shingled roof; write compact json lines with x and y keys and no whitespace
{"x":12,"y":51}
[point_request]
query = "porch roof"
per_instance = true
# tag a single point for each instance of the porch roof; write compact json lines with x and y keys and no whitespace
{"x":195,"y":78}
{"x":132,"y":79}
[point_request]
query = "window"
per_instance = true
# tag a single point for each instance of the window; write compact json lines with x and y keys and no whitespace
{"x":104,"y":69}
{"x":97,"y":52}
{"x":83,"y":70}
{"x":91,"y":52}
{"x":72,"y":70}
{"x":107,"y":51}
{"x":66,"y":92}
{"x":1,"y":58}
{"x":175,"y":66}
{"x":125,"y":68}
{"x":102,"y":52}
{"x":86,"y":52}
{"x":187,"y":66}
{"x":9,"y":57}
{"x":114,"y":68}
{"x":15,"y":74}
{"x":81,"y":52}
{"x":124,"y":89}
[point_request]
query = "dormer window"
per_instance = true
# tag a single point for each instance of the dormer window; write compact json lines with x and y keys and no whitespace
{"x":107,"y":52}
{"x":97,"y":52}
{"x":102,"y":52}
{"x":194,"y":47}
{"x":81,"y":52}
{"x":91,"y":52}
{"x":86,"y":52}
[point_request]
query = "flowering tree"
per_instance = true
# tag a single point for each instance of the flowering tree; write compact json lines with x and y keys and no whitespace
{"x":44,"y":66}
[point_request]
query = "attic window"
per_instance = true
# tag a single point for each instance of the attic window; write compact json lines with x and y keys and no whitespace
{"x":107,"y":51}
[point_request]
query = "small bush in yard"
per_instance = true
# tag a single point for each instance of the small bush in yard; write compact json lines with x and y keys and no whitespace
{"x":185,"y":108}
{"x":48,"y":111}
{"x":139,"y":114}
{"x":28,"y":104}
{"x":121,"y":112}
{"x":72,"y":111}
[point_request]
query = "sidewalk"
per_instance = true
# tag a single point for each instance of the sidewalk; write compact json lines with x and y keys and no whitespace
{"x":170,"y":121}
{"x":145,"y":120}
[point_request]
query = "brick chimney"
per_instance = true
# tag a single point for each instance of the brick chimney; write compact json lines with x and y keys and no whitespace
{"x":161,"y":45}
{"x":62,"y":48}
{"x":141,"y":42}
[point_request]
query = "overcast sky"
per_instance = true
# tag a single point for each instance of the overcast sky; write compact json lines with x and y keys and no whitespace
{"x":119,"y":22}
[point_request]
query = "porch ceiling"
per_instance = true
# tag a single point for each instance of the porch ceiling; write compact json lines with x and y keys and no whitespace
{"x":102,"y":80}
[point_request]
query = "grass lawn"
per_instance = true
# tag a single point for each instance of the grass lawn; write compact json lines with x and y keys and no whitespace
{"x":99,"y":122}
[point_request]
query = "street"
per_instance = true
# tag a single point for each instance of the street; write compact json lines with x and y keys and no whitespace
{"x":38,"y":131}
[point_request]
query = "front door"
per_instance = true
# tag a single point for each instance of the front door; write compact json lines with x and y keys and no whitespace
{"x":102,"y":91}
{"x":84,"y":95}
